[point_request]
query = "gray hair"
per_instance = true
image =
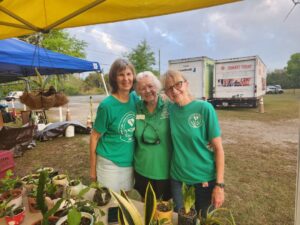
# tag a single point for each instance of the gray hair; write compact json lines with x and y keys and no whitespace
{"x":149,"y":74}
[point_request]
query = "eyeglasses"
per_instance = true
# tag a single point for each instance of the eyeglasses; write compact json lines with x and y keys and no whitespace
{"x":177,"y":86}
{"x":156,"y":140}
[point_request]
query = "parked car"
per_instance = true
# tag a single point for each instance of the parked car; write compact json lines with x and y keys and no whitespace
{"x":274,"y":89}
{"x":13,"y":95}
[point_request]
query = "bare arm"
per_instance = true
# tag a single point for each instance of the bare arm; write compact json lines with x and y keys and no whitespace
{"x":218,"y":192}
{"x":93,"y":144}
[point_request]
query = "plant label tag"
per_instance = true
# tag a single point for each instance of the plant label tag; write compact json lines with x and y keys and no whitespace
{"x":140,"y":117}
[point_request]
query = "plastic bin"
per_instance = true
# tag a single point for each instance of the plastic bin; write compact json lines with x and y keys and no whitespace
{"x":6,"y":162}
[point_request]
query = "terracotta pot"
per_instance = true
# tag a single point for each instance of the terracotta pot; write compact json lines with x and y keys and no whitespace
{"x":159,"y":214}
{"x":16,"y":219}
{"x":187,"y":219}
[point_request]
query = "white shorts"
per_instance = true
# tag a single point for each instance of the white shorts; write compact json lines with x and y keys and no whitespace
{"x":112,"y":176}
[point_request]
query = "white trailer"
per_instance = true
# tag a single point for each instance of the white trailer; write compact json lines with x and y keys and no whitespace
{"x":199,"y":72}
{"x":239,"y":82}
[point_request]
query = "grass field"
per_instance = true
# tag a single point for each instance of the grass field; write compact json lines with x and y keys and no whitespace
{"x":260,"y":150}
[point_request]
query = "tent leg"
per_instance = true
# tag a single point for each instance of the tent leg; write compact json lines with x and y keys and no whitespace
{"x":60,"y":114}
{"x":103,"y":81}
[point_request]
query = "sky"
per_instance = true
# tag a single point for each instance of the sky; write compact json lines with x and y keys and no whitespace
{"x":246,"y":28}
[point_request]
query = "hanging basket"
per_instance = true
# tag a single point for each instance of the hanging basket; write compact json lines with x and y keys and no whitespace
{"x":43,"y":100}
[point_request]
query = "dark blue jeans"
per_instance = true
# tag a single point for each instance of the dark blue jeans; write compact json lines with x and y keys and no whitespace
{"x":202,"y":195}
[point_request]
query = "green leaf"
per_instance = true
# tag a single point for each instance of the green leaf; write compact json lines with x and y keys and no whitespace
{"x":129,"y":212}
{"x":74,"y":217}
{"x":150,"y":204}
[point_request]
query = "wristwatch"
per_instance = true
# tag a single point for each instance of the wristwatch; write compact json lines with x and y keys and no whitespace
{"x":221,"y":185}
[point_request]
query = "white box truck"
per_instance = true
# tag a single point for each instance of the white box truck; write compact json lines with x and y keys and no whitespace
{"x":239,"y":82}
{"x":199,"y":71}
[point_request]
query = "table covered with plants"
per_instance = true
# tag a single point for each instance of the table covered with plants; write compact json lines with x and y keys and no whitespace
{"x":46,"y":197}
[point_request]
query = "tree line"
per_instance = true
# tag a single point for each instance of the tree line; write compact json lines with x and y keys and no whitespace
{"x":142,"y":57}
{"x":289,"y":77}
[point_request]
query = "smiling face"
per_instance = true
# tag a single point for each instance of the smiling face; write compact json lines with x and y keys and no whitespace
{"x":176,"y":88}
{"x":147,"y":89}
{"x":125,"y":79}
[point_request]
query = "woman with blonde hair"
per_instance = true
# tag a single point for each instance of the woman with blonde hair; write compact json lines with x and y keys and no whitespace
{"x":198,"y":155}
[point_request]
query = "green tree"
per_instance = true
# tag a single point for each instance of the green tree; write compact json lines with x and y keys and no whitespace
{"x":142,"y":57}
{"x":293,"y":70}
{"x":59,"y":41}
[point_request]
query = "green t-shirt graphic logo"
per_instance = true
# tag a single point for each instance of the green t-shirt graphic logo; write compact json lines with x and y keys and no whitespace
{"x":195,"y":120}
{"x":127,"y":127}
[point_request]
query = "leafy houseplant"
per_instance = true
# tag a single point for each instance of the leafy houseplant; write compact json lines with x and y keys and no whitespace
{"x":102,"y":195}
{"x":219,"y":216}
{"x":187,"y":215}
{"x":164,"y":210}
{"x":14,"y":215}
{"x":9,"y":183}
{"x":129,"y":215}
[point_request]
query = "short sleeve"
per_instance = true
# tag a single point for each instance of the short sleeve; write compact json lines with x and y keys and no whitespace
{"x":101,"y":121}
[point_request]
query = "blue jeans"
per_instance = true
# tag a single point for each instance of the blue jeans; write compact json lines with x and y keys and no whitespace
{"x":202,"y":195}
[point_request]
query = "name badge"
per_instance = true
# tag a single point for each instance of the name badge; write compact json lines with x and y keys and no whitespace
{"x":140,"y":116}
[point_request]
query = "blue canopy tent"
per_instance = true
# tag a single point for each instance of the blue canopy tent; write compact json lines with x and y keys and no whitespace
{"x":19,"y":59}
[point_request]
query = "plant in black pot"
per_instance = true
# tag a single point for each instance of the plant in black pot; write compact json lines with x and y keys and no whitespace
{"x":187,"y":215}
{"x":102,"y":195}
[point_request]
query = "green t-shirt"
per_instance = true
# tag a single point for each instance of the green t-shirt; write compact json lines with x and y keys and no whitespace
{"x":193,"y":126}
{"x":153,"y":161}
{"x":115,"y":121}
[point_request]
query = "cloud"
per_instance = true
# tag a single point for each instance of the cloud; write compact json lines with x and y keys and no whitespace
{"x":244,"y":28}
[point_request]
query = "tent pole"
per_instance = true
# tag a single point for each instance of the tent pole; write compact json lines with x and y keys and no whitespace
{"x":297,"y":196}
{"x":60,"y":114}
{"x":103,"y":81}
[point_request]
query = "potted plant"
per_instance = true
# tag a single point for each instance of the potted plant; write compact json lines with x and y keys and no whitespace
{"x":128,"y":214}
{"x":11,"y":189}
{"x":164,"y":210}
{"x":75,"y":186}
{"x":30,"y":181}
{"x":9,"y":183}
{"x":50,"y":170}
{"x":14,"y":215}
{"x":54,"y":191}
{"x":102,"y":195}
{"x":219,"y":216}
{"x":41,"y":203}
{"x":187,"y":215}
{"x":61,"y":179}
{"x":76,"y":217}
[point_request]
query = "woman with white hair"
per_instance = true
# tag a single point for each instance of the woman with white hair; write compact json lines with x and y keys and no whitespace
{"x":153,"y":140}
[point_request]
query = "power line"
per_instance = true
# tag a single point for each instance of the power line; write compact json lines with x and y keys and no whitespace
{"x":295,"y":3}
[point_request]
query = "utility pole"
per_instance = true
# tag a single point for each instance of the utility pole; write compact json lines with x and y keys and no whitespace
{"x":159,"y":61}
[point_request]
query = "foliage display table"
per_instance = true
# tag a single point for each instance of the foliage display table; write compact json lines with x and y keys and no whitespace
{"x":30,"y":218}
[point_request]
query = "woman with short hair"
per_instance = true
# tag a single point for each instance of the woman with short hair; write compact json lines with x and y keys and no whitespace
{"x":153,"y":141}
